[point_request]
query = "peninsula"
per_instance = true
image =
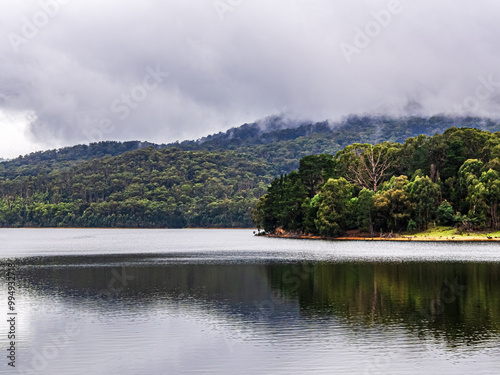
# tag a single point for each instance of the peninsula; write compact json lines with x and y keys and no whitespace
{"x":444,"y":187}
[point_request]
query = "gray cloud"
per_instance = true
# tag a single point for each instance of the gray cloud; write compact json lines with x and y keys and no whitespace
{"x":235,"y":61}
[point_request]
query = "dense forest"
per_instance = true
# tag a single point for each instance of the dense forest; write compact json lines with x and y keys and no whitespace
{"x":452,"y":179}
{"x":217,"y":180}
{"x":143,"y":188}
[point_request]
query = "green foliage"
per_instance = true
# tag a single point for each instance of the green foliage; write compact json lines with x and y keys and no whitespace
{"x":334,"y":207}
{"x":143,"y":188}
{"x":425,"y":196}
{"x":365,"y":210}
{"x":310,"y":207}
{"x":445,"y":213}
{"x":314,"y":170}
{"x":474,"y":190}
{"x":393,"y":204}
{"x":412,"y":226}
{"x":283,"y":205}
{"x":384,"y":197}
{"x":491,"y":182}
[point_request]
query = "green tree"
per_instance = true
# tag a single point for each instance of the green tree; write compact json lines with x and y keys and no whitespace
{"x":314,"y":170}
{"x":290,"y":213}
{"x":365,"y":210}
{"x":445,"y":213}
{"x":491,"y":182}
{"x":474,"y":190}
{"x":334,"y":208}
{"x":393,"y":203}
{"x":425,"y":196}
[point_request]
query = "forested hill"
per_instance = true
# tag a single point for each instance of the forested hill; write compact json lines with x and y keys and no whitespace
{"x":369,"y":129}
{"x":143,"y":188}
{"x":212,"y":182}
{"x":276,"y":139}
{"x":43,"y":162}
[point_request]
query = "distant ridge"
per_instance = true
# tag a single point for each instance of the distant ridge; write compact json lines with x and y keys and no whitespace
{"x":295,"y":138}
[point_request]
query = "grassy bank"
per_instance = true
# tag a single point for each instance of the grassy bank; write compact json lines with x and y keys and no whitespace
{"x":451,"y":233}
{"x":437,"y":233}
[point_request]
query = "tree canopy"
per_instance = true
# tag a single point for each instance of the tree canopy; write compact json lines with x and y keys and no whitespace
{"x":451,"y":178}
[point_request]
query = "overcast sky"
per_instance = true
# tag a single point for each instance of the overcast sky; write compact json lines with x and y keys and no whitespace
{"x":75,"y":71}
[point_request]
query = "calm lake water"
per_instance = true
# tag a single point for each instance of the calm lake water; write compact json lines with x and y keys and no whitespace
{"x":98,"y":301}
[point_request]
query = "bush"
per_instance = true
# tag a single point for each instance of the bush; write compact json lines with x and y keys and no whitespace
{"x":445,"y":213}
{"x":412,"y":226}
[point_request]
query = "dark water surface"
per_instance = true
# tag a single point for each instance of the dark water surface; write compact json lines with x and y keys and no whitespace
{"x":94,"y":301}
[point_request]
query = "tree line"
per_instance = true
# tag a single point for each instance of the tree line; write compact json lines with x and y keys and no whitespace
{"x":142,"y":188}
{"x":450,"y":178}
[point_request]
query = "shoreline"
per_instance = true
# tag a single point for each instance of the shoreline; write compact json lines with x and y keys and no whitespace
{"x":457,"y":238}
{"x":123,"y":228}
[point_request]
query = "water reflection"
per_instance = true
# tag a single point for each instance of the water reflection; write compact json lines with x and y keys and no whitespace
{"x":458,"y":303}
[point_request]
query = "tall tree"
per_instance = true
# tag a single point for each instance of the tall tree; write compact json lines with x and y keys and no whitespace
{"x":334,"y":208}
{"x":314,"y":170}
{"x":365,"y":210}
{"x":366,"y":165}
{"x":393,"y":203}
{"x":491,"y":181}
{"x":474,"y":191}
{"x":425,"y":196}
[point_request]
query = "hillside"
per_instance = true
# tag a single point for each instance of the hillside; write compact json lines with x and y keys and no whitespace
{"x":43,"y":162}
{"x":276,"y":139}
{"x":143,"y":188}
{"x":369,"y":129}
{"x":213,"y":182}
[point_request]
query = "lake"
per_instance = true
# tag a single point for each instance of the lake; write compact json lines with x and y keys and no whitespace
{"x":201,"y":301}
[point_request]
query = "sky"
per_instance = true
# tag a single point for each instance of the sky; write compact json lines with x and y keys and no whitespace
{"x":74,"y":71}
